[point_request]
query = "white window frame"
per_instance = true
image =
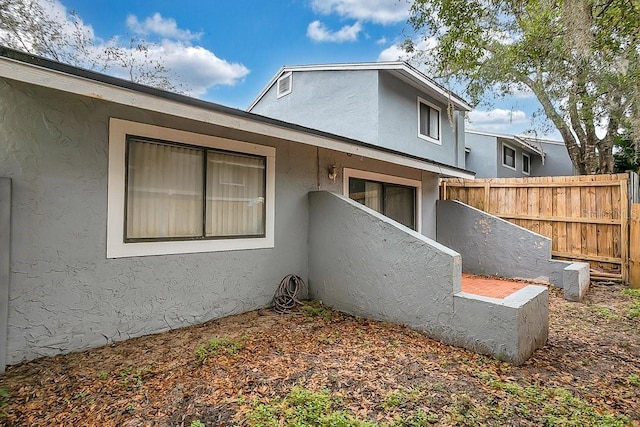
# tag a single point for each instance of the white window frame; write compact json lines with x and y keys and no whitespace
{"x":116,"y":193}
{"x":527,"y":162}
{"x":285,"y":76}
{"x":515,"y":155}
{"x":388,"y":179}
{"x":439,"y":110}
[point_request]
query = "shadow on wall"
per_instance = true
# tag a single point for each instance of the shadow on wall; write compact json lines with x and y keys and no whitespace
{"x":366,"y":264}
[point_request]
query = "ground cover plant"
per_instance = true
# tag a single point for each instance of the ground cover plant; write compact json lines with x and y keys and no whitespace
{"x":318,"y":367}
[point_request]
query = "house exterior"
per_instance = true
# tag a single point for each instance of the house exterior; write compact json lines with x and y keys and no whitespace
{"x":127,"y":210}
{"x":386,"y":104}
{"x":494,"y":155}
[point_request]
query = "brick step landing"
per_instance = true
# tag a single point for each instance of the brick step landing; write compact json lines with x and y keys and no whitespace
{"x":490,"y":287}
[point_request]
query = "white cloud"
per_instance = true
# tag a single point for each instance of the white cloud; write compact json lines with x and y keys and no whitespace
{"x":318,"y":32}
{"x":397,"y":53}
{"x":193,"y":69}
{"x":497,"y":120}
{"x":378,"y":11}
{"x":382,"y":41}
{"x":163,"y":27}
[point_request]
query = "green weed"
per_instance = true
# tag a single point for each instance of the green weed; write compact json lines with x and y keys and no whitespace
{"x":4,"y":400}
{"x":197,"y":423}
{"x":301,"y":407}
{"x":216,"y":346}
{"x":603,"y":312}
{"x":634,"y":380}
{"x":316,"y":309}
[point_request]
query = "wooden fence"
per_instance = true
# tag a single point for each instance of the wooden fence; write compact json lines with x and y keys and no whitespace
{"x":586,"y":216}
{"x":634,"y":246}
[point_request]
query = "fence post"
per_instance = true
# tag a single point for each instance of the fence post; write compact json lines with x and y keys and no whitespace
{"x":5,"y":254}
{"x":634,"y":246}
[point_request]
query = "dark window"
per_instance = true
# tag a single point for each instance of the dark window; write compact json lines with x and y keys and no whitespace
{"x":508,"y":156}
{"x":526,"y":164}
{"x":398,"y":202}
{"x":429,"y":121}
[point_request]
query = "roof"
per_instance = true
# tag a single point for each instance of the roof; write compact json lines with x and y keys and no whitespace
{"x":27,"y":68}
{"x":526,"y":142}
{"x":399,"y":69}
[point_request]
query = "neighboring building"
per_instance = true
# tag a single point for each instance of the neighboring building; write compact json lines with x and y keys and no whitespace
{"x":494,"y":155}
{"x":386,"y":104}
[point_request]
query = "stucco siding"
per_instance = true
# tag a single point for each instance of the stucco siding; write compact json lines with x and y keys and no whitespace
{"x":398,"y":120}
{"x":340,"y":102}
{"x":482,"y":157}
{"x":65,"y":295}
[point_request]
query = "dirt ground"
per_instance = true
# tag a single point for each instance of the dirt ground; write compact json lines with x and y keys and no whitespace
{"x":588,"y":373}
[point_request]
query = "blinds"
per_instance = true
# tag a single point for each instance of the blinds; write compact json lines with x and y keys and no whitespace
{"x":166,"y":192}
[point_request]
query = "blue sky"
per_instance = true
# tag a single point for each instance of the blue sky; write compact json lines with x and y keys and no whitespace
{"x":226,"y":51}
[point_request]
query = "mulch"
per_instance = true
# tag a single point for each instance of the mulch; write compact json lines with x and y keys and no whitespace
{"x":159,"y":380}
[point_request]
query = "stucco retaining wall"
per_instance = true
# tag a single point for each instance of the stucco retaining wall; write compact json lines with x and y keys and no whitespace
{"x":511,"y":328}
{"x":363,"y":263}
{"x":492,"y":246}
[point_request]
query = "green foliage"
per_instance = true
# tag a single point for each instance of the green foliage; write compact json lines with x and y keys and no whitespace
{"x":302,"y":408}
{"x":558,"y":406}
{"x":634,"y":380}
{"x":603,"y":312}
{"x":578,"y":57}
{"x":316,"y":309}
{"x":197,"y":423}
{"x":215,"y":346}
{"x":4,"y":400}
{"x":626,"y":156}
{"x":632,"y":310}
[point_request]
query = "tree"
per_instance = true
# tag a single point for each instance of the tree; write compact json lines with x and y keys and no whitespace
{"x":625,"y":156}
{"x":44,"y":28}
{"x":580,"y":58}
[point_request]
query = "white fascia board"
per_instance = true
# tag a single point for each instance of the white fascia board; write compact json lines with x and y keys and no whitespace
{"x":419,"y":79}
{"x":39,"y":76}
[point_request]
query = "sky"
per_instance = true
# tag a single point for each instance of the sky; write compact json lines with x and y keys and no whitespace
{"x":226,"y":51}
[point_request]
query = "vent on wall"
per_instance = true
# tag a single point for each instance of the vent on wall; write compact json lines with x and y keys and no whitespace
{"x":284,"y":85}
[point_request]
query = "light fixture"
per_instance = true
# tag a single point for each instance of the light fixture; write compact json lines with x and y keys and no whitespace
{"x":333,"y":172}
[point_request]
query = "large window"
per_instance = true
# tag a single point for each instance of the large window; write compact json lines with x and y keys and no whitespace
{"x":395,"y":197}
{"x":508,"y":156}
{"x":173,"y":191}
{"x":428,"y":121}
{"x":183,"y":192}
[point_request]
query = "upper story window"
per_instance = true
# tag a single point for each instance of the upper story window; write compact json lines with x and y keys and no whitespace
{"x":172,"y":191}
{"x":526,"y":164}
{"x":428,"y":121}
{"x":284,"y":85}
{"x":508,"y":156}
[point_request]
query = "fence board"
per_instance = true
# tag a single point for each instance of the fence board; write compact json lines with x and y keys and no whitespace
{"x":634,"y":246}
{"x":587,"y":217}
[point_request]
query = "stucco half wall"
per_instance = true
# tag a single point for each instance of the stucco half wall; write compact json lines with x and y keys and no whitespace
{"x":363,"y":263}
{"x":492,"y":246}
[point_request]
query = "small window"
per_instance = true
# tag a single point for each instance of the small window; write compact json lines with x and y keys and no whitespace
{"x":284,"y":85}
{"x":428,"y":121}
{"x":526,"y":164}
{"x":508,"y":157}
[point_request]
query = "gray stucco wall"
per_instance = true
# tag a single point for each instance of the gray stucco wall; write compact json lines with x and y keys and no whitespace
{"x":365,"y":264}
{"x":341,"y":102}
{"x":398,"y":120}
{"x":65,"y":295}
{"x":5,"y":266}
{"x":485,"y":158}
{"x":556,"y":162}
{"x":492,"y":246}
{"x":362,"y":263}
{"x":482,"y":159}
